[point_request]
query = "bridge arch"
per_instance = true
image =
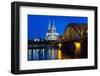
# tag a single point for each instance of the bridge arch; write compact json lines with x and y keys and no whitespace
{"x":75,"y":31}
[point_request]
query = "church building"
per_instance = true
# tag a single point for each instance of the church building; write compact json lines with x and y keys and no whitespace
{"x":51,"y":34}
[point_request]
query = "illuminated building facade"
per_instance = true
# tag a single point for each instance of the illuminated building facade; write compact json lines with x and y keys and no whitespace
{"x":51,"y":33}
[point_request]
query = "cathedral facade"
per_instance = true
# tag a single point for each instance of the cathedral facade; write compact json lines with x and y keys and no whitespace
{"x":51,"y":34}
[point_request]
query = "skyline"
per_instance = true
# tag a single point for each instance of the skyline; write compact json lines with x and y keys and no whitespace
{"x":38,"y":24}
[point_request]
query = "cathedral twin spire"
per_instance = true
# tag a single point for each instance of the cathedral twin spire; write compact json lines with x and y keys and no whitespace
{"x":51,"y":34}
{"x":51,"y":28}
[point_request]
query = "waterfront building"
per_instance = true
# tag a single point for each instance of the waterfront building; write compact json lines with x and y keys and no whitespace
{"x":51,"y":34}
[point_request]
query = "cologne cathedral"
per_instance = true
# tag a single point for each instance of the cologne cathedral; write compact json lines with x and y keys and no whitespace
{"x":51,"y":34}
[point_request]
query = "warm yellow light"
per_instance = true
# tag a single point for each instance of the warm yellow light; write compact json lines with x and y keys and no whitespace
{"x":78,"y":48}
{"x":59,"y":54}
{"x":78,"y":45}
{"x":59,"y":45}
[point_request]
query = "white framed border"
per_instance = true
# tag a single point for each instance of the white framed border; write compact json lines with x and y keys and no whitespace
{"x":27,"y":65}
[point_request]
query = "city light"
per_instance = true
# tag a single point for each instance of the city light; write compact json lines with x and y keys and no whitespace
{"x":77,"y":44}
{"x":59,"y":45}
{"x":78,"y":47}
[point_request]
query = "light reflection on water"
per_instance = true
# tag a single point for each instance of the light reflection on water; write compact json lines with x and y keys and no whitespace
{"x":65,"y":51}
{"x":58,"y":53}
{"x":44,"y":54}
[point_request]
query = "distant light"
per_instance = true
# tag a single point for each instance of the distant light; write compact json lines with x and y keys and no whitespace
{"x":59,"y":45}
{"x":37,"y":39}
{"x":78,"y":47}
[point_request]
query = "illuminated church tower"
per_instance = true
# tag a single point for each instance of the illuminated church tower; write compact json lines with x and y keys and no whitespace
{"x":51,"y":33}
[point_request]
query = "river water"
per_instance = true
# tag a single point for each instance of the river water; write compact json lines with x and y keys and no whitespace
{"x":49,"y":53}
{"x":67,"y":51}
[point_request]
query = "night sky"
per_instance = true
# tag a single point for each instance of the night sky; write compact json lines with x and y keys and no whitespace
{"x":38,"y":24}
